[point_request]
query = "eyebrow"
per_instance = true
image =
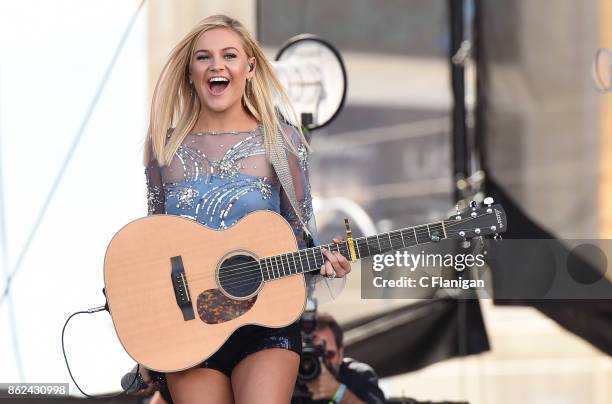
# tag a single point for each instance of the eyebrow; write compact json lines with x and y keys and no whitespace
{"x":206,"y":50}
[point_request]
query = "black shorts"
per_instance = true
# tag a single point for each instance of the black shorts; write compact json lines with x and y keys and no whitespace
{"x":250,"y":339}
{"x":245,"y":341}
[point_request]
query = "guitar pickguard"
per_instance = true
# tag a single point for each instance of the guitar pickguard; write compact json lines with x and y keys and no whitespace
{"x":214,"y":307}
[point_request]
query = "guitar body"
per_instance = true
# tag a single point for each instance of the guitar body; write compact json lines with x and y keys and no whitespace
{"x":177,"y":290}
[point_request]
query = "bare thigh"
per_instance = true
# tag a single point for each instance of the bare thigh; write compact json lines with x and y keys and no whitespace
{"x":200,"y":386}
{"x":266,"y":376}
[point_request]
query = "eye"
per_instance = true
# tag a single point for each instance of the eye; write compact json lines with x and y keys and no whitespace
{"x":202,"y":57}
{"x":230,"y":56}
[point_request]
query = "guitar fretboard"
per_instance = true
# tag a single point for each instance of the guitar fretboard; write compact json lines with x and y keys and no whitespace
{"x":311,"y":259}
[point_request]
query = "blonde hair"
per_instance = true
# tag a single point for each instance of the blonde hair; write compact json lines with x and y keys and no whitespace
{"x":175,"y":107}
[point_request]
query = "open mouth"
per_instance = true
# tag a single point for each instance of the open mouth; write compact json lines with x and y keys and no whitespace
{"x":217,"y":85}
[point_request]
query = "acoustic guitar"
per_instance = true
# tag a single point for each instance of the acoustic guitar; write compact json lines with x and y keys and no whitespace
{"x":177,"y":290}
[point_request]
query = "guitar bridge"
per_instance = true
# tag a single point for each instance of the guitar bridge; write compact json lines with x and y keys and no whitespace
{"x":181,"y":289}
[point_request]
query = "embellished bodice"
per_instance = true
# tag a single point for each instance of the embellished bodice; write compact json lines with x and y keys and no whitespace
{"x":216,"y":179}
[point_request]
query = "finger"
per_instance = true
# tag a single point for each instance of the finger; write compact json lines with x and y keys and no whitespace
{"x":150,"y":389}
{"x":337,"y":264}
{"x":312,"y":387}
{"x":315,"y":393}
{"x":329,"y":269}
{"x":344,"y":263}
{"x":338,"y":239}
{"x":325,"y":271}
{"x":343,"y":270}
{"x":331,"y":257}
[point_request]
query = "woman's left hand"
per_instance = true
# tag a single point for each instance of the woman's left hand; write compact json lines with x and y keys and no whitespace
{"x":336,"y":265}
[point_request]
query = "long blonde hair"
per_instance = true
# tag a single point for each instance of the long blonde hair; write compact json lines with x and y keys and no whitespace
{"x":175,"y":108}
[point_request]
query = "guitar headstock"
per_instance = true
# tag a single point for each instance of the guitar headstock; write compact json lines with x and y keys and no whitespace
{"x":476,"y":221}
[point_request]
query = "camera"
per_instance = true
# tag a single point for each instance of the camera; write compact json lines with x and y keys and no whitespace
{"x":312,"y":354}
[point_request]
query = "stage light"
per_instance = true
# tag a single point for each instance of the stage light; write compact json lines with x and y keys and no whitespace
{"x":313,"y":74}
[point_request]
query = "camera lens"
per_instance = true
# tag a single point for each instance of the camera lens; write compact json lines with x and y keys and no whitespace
{"x":310,"y":368}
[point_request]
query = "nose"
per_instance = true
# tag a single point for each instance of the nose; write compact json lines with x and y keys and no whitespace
{"x":216,"y":64}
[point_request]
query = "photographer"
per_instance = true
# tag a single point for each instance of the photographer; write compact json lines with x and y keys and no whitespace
{"x":342,"y":380}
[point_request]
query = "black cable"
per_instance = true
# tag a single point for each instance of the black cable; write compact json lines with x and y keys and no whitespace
{"x":92,"y":311}
{"x":71,"y":151}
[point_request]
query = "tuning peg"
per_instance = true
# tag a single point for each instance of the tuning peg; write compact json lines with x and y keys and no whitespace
{"x":466,"y":243}
{"x":488,"y":201}
{"x":473,"y":205}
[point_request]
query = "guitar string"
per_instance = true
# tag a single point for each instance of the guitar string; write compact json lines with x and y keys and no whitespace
{"x":246,"y":276}
{"x":311,"y":252}
{"x":253,"y":267}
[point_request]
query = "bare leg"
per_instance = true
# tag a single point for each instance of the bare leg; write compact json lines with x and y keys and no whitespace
{"x":199,"y":386}
{"x":266,"y":376}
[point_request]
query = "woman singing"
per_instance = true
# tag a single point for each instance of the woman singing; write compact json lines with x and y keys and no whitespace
{"x":218,"y":116}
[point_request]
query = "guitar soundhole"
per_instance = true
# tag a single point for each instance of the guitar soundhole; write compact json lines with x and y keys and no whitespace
{"x":240,"y":276}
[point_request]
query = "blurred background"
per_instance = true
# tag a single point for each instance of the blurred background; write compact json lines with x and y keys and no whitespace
{"x":446,"y":99}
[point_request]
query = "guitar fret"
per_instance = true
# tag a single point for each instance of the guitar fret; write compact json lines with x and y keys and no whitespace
{"x":311,"y":255}
{"x":294,"y":264}
{"x":289,"y":264}
{"x":357,"y":247}
{"x":261,"y":271}
{"x":307,"y":260}
{"x":273,"y":276}
{"x":390,"y":241}
{"x":428,"y":232}
{"x":402,"y":236}
{"x":278,"y":268}
{"x":267,"y":269}
{"x":379,"y":247}
{"x":322,"y":255}
{"x":399,"y":241}
{"x":283,"y":265}
{"x":299,"y":259}
{"x":271,"y":268}
{"x":416,"y":240}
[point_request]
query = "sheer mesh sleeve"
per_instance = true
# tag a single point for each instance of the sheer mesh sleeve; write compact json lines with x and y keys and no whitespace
{"x":320,"y":288}
{"x":155,"y":189}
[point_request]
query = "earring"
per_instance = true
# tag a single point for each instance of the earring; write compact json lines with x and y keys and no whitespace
{"x":249,"y":89}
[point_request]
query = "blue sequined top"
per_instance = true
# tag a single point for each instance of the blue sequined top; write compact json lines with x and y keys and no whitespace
{"x":216,"y":179}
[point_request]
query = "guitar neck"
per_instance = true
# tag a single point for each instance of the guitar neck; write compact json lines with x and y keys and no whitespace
{"x":311,"y":259}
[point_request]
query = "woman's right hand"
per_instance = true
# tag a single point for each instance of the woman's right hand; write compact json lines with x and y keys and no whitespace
{"x":151,"y":386}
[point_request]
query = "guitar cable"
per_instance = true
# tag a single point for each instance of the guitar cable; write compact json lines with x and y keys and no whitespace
{"x":127,"y":389}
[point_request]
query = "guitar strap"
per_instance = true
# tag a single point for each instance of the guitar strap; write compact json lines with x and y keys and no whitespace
{"x":281,"y":166}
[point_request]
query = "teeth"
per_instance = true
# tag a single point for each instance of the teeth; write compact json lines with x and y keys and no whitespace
{"x":218,"y":79}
